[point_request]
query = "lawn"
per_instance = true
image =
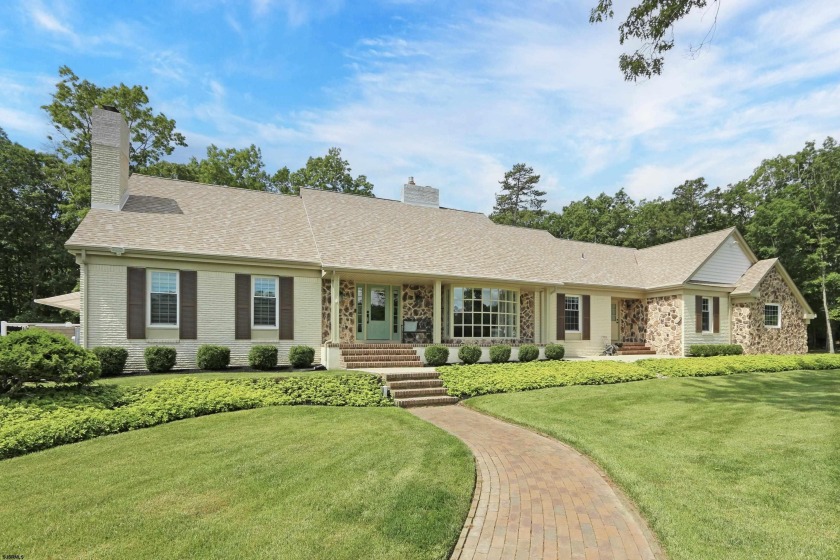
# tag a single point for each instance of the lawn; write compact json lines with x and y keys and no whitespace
{"x":152,"y":379}
{"x":279,"y":482}
{"x":736,"y":467}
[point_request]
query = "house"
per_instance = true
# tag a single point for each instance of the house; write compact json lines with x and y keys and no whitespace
{"x":367,"y":280}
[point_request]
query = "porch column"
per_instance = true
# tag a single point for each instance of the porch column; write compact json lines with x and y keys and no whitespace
{"x":436,"y":319}
{"x":335,"y":307}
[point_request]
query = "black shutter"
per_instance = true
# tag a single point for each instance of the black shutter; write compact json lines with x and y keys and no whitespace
{"x":287,"y":308}
{"x":136,"y":298}
{"x":242,"y":298}
{"x":188,"y":310}
{"x":698,"y":313}
{"x":716,"y":310}
{"x":587,"y":323}
{"x":561,"y":316}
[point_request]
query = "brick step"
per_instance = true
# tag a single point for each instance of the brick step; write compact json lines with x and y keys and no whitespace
{"x":378,"y":352}
{"x":381,"y":358}
{"x":640,"y":352}
{"x":363,"y":345}
{"x":414,"y":384}
{"x":424,"y":392}
{"x":425,"y":401}
{"x":415,"y":375}
{"x":381,"y":364}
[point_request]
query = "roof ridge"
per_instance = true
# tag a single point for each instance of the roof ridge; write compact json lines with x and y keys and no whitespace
{"x":199,"y":184}
{"x":728,"y":230}
{"x":379,"y":198}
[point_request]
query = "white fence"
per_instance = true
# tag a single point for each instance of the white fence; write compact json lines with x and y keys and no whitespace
{"x":70,"y":330}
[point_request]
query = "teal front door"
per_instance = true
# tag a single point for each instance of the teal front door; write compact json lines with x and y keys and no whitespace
{"x":378,"y":325}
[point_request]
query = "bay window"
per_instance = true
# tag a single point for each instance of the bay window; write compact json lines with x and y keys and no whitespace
{"x":485,"y":313}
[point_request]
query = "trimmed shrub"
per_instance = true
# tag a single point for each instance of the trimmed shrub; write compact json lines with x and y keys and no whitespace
{"x":482,"y":379}
{"x":706,"y":350}
{"x":42,"y":417}
{"x":726,"y":365}
{"x":159,"y":359}
{"x":112,"y":359}
{"x":554,"y":351}
{"x":212,"y":357}
{"x":301,"y":356}
{"x":436,"y":355}
{"x":500,"y":353}
{"x":469,"y":354}
{"x":263,"y":357}
{"x":35,"y":355}
{"x":528,"y":352}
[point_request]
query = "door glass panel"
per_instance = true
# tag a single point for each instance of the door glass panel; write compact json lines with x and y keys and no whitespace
{"x":377,"y":305}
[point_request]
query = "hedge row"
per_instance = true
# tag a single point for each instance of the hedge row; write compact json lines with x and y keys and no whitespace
{"x":706,"y":350}
{"x":40,"y":418}
{"x":482,"y":379}
{"x":726,"y":365}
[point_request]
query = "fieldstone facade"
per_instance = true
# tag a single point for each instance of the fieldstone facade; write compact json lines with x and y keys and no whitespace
{"x":632,"y":320}
{"x":664,"y":325}
{"x":326,"y":309}
{"x":748,"y":327}
{"x":347,"y":311}
{"x":418,"y":305}
{"x":526,"y":316}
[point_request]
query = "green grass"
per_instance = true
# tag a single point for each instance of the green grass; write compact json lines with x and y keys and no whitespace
{"x":155,"y":378}
{"x":737,"y":467}
{"x":281,"y":482}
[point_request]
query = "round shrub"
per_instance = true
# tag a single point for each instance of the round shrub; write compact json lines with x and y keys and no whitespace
{"x":500,"y":353}
{"x":159,"y":359}
{"x":112,"y":359}
{"x":301,"y":356}
{"x":469,"y":354}
{"x":554,"y":351}
{"x":263,"y":356}
{"x":436,"y":355}
{"x":528,"y":353}
{"x":213,"y":357}
{"x":39,"y":355}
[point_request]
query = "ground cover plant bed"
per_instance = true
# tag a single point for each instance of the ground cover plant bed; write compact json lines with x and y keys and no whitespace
{"x":726,"y":365}
{"x":149,"y":379}
{"x":280,"y":482}
{"x":482,"y":379}
{"x":738,"y":467}
{"x":42,"y":417}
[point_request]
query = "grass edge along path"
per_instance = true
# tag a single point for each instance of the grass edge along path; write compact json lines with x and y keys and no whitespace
{"x":279,"y":482}
{"x":739,"y":467}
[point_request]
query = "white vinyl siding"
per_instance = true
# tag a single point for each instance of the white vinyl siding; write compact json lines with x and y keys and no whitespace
{"x":726,"y":265}
{"x":690,"y":317}
{"x":599,"y":325}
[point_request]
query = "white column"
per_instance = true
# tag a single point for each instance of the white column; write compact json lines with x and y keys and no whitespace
{"x":335,"y":305}
{"x":436,"y":318}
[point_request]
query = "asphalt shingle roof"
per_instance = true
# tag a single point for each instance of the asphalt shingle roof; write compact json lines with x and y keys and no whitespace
{"x":753,"y":276}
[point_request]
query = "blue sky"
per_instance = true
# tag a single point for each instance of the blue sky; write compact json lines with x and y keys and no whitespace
{"x":451,"y":93}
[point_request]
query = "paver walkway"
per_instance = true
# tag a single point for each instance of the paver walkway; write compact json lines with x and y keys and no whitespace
{"x":538,"y":498}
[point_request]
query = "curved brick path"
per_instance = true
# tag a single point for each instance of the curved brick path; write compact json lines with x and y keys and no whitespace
{"x":538,"y":498}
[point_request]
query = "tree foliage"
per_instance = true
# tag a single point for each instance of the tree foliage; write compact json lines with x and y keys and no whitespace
{"x":329,"y":173}
{"x":652,"y":23}
{"x":520,"y":202}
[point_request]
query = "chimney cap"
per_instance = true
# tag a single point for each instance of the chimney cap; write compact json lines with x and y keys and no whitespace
{"x":111,"y":108}
{"x":411,"y":181}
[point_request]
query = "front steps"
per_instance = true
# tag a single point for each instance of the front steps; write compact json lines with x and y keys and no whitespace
{"x":635,"y":349}
{"x":385,"y":355}
{"x":418,"y":387}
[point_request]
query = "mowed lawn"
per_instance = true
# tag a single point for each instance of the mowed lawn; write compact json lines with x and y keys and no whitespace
{"x":279,"y":482}
{"x":736,"y":467}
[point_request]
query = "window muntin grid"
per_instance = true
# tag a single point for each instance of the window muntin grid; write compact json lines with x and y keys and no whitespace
{"x":572,"y":318}
{"x":485,"y":313}
{"x":163,"y":298}
{"x":265,"y":302}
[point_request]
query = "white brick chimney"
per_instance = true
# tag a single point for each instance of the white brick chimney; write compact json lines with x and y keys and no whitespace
{"x":412,"y":193}
{"x":109,"y":165}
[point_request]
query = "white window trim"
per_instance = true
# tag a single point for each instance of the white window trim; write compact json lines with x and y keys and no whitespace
{"x":276,"y":303}
{"x":579,"y":313}
{"x":517,"y":301}
{"x":778,"y":324}
{"x":149,"y":299}
{"x":708,"y":301}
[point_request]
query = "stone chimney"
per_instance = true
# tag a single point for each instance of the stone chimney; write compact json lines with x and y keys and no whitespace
{"x":109,"y":166}
{"x":412,"y":193}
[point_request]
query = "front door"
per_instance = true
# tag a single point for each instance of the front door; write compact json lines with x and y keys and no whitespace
{"x":377,"y":314}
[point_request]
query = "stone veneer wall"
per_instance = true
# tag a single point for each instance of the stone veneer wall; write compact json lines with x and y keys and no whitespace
{"x":347,"y":311}
{"x":664,"y":325}
{"x":633,"y":318}
{"x":748,"y":328}
{"x":418,"y":304}
{"x":326,"y":309}
{"x":526,"y":316}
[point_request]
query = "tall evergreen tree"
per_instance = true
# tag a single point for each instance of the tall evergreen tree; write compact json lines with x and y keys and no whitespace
{"x":520,"y":202}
